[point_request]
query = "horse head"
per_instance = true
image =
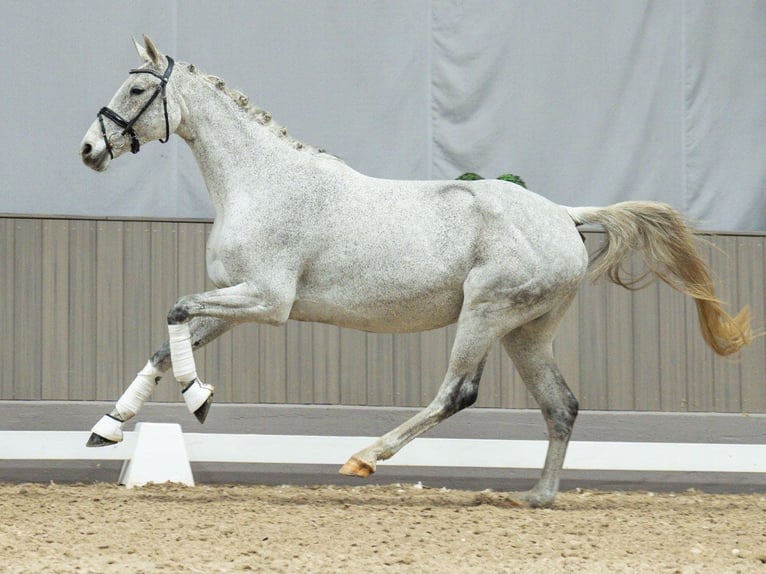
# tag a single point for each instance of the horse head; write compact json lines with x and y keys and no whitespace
{"x":142,"y":110}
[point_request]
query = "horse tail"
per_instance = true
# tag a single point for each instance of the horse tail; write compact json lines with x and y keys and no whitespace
{"x":667,"y":244}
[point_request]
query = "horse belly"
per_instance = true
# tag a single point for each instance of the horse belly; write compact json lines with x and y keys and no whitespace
{"x":381,"y":311}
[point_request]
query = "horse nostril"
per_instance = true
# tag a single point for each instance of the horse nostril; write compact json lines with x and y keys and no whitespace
{"x":86,"y":149}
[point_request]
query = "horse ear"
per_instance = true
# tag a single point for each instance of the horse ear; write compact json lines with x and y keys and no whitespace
{"x":141,"y":51}
{"x":152,"y":52}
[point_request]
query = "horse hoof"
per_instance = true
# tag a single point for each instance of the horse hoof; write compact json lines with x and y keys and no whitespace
{"x":98,"y":440}
{"x":201,"y":413}
{"x":107,"y":431}
{"x":357,"y":467}
{"x":198,"y":397}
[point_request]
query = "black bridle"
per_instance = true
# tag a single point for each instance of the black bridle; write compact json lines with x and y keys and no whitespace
{"x":127,"y":126}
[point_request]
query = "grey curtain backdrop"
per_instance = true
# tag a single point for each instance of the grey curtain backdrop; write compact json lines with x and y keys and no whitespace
{"x":591,"y":102}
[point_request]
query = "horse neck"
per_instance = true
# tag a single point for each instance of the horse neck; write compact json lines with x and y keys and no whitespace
{"x":232,"y":149}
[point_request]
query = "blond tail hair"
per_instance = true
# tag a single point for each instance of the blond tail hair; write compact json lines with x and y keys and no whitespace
{"x":667,"y":243}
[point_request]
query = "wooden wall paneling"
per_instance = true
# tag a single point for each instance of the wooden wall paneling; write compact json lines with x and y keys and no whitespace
{"x":727,"y":390}
{"x":221,"y":366}
{"x":407,"y":369}
{"x":491,"y":386}
{"x":353,"y":367}
{"x":55,"y":304}
{"x":326,"y":364}
{"x":139,"y":339}
{"x":380,"y":369}
{"x":273,"y":368}
{"x":299,"y":362}
{"x":109,"y":316}
{"x":90,"y":310}
{"x":672,"y":349}
{"x":751,"y":286}
{"x":164,"y":293}
{"x":434,"y":358}
{"x":699,"y":358}
{"x":83,"y":288}
{"x":245,"y":386}
{"x":593,"y":361}
{"x":618,"y":333}
{"x":7,"y":298}
{"x":646,"y":343}
{"x":27,"y":310}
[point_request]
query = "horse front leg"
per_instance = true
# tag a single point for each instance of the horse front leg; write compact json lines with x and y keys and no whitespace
{"x":231,"y":305}
{"x":108,"y":430}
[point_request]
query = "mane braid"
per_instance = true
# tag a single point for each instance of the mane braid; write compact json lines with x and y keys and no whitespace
{"x":261,"y":116}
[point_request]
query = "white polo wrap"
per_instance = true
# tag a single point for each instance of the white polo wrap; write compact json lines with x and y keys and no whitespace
{"x":138,"y":392}
{"x":181,"y":353}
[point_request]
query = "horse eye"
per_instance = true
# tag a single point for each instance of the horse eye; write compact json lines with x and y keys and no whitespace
{"x":136,"y":91}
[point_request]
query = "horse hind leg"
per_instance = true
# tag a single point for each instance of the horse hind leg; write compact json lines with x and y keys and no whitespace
{"x":532,"y":354}
{"x":108,"y":430}
{"x":458,"y":390}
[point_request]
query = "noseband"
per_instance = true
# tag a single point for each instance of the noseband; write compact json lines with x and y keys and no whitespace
{"x":127,"y":126}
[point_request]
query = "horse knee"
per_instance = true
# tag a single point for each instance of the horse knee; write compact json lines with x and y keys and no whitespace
{"x":179,"y":313}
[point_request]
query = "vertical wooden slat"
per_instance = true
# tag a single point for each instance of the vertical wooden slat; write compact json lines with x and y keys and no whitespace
{"x":246,"y":367}
{"x":55,"y":337}
{"x":273,"y":366}
{"x":619,"y":347}
{"x":353,"y":367}
{"x":223,"y":371}
{"x":751,"y":284}
{"x":727,"y":391}
{"x":300,"y":362}
{"x":326,"y":361}
{"x":82,"y":310}
{"x":672,"y":350}
{"x":109,"y":315}
{"x":646,"y":344}
{"x":434,"y":358}
{"x":163,"y":279}
{"x":699,"y":357}
{"x":138,"y":340}
{"x":7,"y":299}
{"x":380,"y":369}
{"x":27,"y":311}
{"x":407,"y":370}
{"x":593,"y":361}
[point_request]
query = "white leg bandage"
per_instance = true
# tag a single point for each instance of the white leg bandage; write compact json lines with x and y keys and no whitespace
{"x":138,"y":392}
{"x":195,"y":392}
{"x":131,"y":401}
{"x":181,"y":353}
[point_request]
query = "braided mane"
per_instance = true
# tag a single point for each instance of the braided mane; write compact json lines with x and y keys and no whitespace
{"x":261,"y":116}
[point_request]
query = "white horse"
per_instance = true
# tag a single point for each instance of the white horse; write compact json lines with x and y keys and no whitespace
{"x":300,"y":235}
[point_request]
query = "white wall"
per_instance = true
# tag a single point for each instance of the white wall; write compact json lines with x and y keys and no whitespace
{"x":591,"y":102}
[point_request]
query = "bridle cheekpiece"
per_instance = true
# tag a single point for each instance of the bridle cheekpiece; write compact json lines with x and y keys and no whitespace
{"x":127,"y":126}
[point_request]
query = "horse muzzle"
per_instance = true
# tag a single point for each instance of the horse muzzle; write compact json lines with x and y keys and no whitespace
{"x":94,"y":153}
